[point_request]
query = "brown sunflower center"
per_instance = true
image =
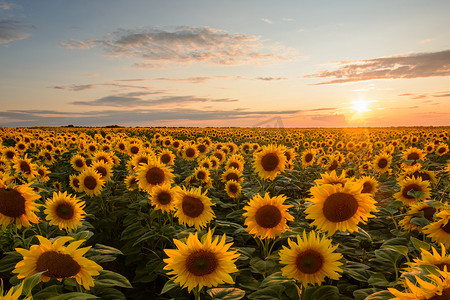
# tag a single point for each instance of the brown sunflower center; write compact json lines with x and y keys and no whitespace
{"x":270,"y":161}
{"x":382,"y":163}
{"x":445,"y":295}
{"x":410,"y":187}
{"x":232,"y":176}
{"x":155,"y":176}
{"x":413,"y":156}
{"x":164,"y":198}
{"x":233,"y":188}
{"x":428,"y":212}
{"x":79,"y":163}
{"x":201,"y":175}
{"x":201,"y":263}
{"x":309,"y":261}
{"x":367,"y":187}
{"x":446,"y":228}
{"x":165,"y":158}
{"x":48,"y":156}
{"x":25,"y":167}
{"x":102,"y":171}
{"x":12,"y":203}
{"x":219,"y":156}
{"x":90,"y":182}
{"x":422,"y":175}
{"x":192,"y":207}
{"x":201,"y":148}
{"x":41,"y":172}
{"x":441,"y":150}
{"x":339,"y":207}
{"x":10,"y":154}
{"x":333,"y":166}
{"x":122,"y":146}
{"x":91,"y":148}
{"x":268,"y":216}
{"x":234,"y":165}
{"x":134,"y":149}
{"x":442,"y":265}
{"x":308,"y":157}
{"x":190,"y":152}
{"x":76,"y":182}
{"x":58,"y":265}
{"x":176,"y":144}
{"x":65,"y":211}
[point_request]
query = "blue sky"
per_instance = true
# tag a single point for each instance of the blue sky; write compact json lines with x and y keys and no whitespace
{"x":224,"y":63}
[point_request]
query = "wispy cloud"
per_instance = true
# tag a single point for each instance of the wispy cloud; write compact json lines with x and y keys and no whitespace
{"x":7,"y":5}
{"x":137,"y":116}
{"x":268,"y":21}
{"x":426,"y":41}
{"x":78,"y":44}
{"x":134,"y":100}
{"x":186,"y":44}
{"x":401,"y":66}
{"x":426,"y":95}
{"x":12,"y":30}
{"x":271,"y":78}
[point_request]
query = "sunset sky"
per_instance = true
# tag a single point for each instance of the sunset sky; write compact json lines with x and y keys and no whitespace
{"x":224,"y":63}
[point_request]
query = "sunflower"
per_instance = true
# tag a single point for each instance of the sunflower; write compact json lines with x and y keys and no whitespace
{"x":414,"y":209}
{"x":131,"y":182}
{"x":167,"y":157}
{"x":10,"y":153}
{"x":439,"y":260}
{"x":439,"y":231}
{"x":413,"y":154}
{"x":196,"y":264}
{"x":60,"y":261}
{"x":193,"y":207}
{"x":25,"y":167}
{"x":41,"y":173}
{"x":235,"y":161}
{"x":418,"y":172}
{"x":269,"y":162}
{"x":78,"y":162}
{"x":310,"y":259}
{"x":190,"y":152}
{"x":267,"y":217}
{"x":337,"y":207}
{"x":308,"y":158}
{"x":152,"y":174}
{"x":64,"y":210}
{"x":219,"y":155}
{"x":91,"y":182}
{"x":413,"y":184}
{"x":429,"y":148}
{"x":202,"y":174}
{"x":435,"y":288}
{"x":370,"y":185}
{"x":104,"y":169}
{"x":333,"y":178}
{"x":163,"y":198}
{"x":57,"y":185}
{"x":382,"y":162}
{"x":233,"y":188}
{"x":232,"y":174}
{"x":74,"y":182}
{"x":17,"y":203}
{"x":442,"y":149}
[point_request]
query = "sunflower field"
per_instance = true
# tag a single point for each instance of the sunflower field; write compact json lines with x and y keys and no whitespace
{"x":224,"y":213}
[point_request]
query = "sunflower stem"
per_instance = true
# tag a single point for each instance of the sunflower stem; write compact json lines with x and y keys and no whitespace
{"x":197,"y":293}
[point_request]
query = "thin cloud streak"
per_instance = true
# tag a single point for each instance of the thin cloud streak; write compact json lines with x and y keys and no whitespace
{"x":12,"y":30}
{"x":404,"y":66}
{"x":186,"y":44}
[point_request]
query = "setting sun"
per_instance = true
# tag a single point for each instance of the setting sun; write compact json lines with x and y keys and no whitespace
{"x":361,"y":106}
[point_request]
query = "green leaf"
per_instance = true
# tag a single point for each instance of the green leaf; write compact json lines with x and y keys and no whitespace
{"x":357,"y":271}
{"x":422,"y":222}
{"x":324,"y":292}
{"x":418,"y":244}
{"x":257,"y":265}
{"x":403,"y":250}
{"x":8,"y":262}
{"x":74,"y":296}
{"x":168,"y":286}
{"x":415,"y":194}
{"x":387,"y":255}
{"x":269,"y":293}
{"x":31,"y":282}
{"x":381,"y":295}
{"x":362,"y":294}
{"x":226,"y":293}
{"x":83,"y":235}
{"x":378,"y":279}
{"x":275,"y":278}
{"x":111,"y":279}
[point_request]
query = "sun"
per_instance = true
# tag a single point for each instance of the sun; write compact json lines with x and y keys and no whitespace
{"x":361,"y":106}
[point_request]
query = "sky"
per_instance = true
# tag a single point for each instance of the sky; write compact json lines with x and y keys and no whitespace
{"x":255,"y":63}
